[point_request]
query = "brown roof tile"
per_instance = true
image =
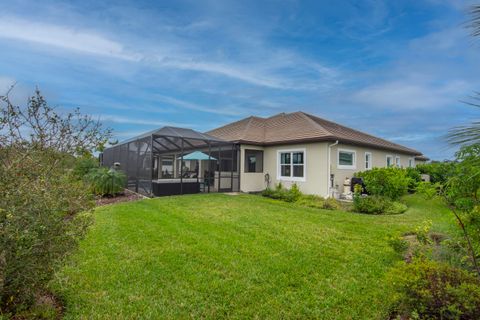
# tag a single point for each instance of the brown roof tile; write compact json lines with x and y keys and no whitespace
{"x":298,"y":127}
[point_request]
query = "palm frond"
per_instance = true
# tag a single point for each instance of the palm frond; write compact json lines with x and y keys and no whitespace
{"x":474,"y":24}
{"x":466,"y":134}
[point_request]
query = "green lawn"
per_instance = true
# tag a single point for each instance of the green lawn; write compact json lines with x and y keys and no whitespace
{"x":221,"y":256}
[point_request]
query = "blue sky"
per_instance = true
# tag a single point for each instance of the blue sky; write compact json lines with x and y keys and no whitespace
{"x":396,"y":69}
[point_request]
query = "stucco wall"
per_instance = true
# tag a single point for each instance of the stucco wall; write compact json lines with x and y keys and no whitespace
{"x":250,"y":181}
{"x":317,"y":179}
{"x":379,"y":159}
{"x":316,"y":175}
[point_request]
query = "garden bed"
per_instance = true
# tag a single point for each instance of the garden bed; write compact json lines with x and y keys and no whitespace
{"x":126,"y":196}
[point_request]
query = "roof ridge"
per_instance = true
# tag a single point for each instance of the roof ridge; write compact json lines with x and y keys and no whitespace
{"x":249,"y":123}
{"x":309,"y":119}
{"x":361,"y":132}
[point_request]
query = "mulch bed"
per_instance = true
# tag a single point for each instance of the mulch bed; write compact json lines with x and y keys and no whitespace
{"x":126,"y":196}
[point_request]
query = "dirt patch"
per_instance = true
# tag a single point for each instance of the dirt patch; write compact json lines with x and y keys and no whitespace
{"x":126,"y":196}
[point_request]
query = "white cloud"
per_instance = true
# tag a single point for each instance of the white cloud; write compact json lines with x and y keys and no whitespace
{"x":232,"y":111}
{"x":405,"y":94}
{"x":175,"y":54}
{"x":62,"y":37}
{"x":145,"y":122}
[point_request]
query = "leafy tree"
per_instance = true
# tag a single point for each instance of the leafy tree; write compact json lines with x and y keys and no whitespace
{"x":43,"y":208}
{"x":461,"y":194}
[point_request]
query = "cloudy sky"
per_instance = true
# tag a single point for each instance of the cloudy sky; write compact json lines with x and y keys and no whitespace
{"x":396,"y":69}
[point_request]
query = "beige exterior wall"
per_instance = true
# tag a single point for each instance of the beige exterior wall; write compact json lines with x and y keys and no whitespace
{"x":315,"y":169}
{"x":379,"y":159}
{"x":250,"y":181}
{"x":317,"y":173}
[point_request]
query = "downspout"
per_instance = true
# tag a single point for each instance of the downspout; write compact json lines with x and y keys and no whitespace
{"x":329,"y":167}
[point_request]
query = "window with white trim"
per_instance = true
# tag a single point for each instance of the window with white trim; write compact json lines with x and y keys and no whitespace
{"x":411,"y":162}
{"x":346,"y":159}
{"x":368,"y":160}
{"x":389,"y":161}
{"x":292,"y":164}
{"x":397,"y":162}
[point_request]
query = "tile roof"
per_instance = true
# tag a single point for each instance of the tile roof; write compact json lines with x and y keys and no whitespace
{"x":299,"y":127}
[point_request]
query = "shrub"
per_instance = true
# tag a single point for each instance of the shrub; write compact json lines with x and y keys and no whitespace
{"x":399,"y":244}
{"x":106,"y":182}
{"x":84,"y":165}
{"x":439,"y":172}
{"x":40,"y":223}
{"x":426,"y":289}
{"x":387,"y":182}
{"x":414,"y":179}
{"x":395,"y":207}
{"x":377,"y":205}
{"x":43,"y":208}
{"x":311,"y":201}
{"x":370,"y":204}
{"x":331,"y":204}
{"x":295,"y":195}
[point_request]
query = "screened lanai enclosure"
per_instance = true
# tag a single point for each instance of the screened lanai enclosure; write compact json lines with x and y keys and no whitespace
{"x":171,"y":161}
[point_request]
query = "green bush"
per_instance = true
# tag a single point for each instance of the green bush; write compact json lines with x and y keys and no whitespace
{"x":425,"y":289}
{"x":84,"y":165}
{"x":414,"y":179}
{"x":439,"y":172}
{"x":387,"y":182}
{"x":395,"y":207}
{"x":42,"y":216}
{"x":398,"y":243}
{"x":295,"y":195}
{"x":331,"y":204}
{"x":377,"y":205}
{"x":370,"y":204}
{"x":105,"y":181}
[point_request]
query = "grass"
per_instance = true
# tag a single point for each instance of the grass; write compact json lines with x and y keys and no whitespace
{"x":221,"y":256}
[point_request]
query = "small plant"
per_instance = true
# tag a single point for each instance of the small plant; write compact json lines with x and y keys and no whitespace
{"x":422,"y":232}
{"x":398,"y":243}
{"x":106,"y":182}
{"x":395,"y":207}
{"x":331,"y":204}
{"x":430,"y":290}
{"x":294,"y":193}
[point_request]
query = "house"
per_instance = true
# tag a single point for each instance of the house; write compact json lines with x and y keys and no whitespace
{"x":252,"y":154}
{"x":314,"y":153}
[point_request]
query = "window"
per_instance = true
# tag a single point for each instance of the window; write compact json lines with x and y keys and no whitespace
{"x":253,"y":160}
{"x":411,"y":162}
{"x":346,"y":159}
{"x":292,"y":165}
{"x":389,"y":161}
{"x":368,"y":160}
{"x":397,"y":162}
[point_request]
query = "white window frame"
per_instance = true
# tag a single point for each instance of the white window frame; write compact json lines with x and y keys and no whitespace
{"x":411,"y":162}
{"x":398,"y":163}
{"x":386,"y":160}
{"x":291,"y":178}
{"x":369,"y":154}
{"x":342,"y":166}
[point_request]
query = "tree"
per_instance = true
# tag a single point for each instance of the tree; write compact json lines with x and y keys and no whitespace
{"x":44,"y":209}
